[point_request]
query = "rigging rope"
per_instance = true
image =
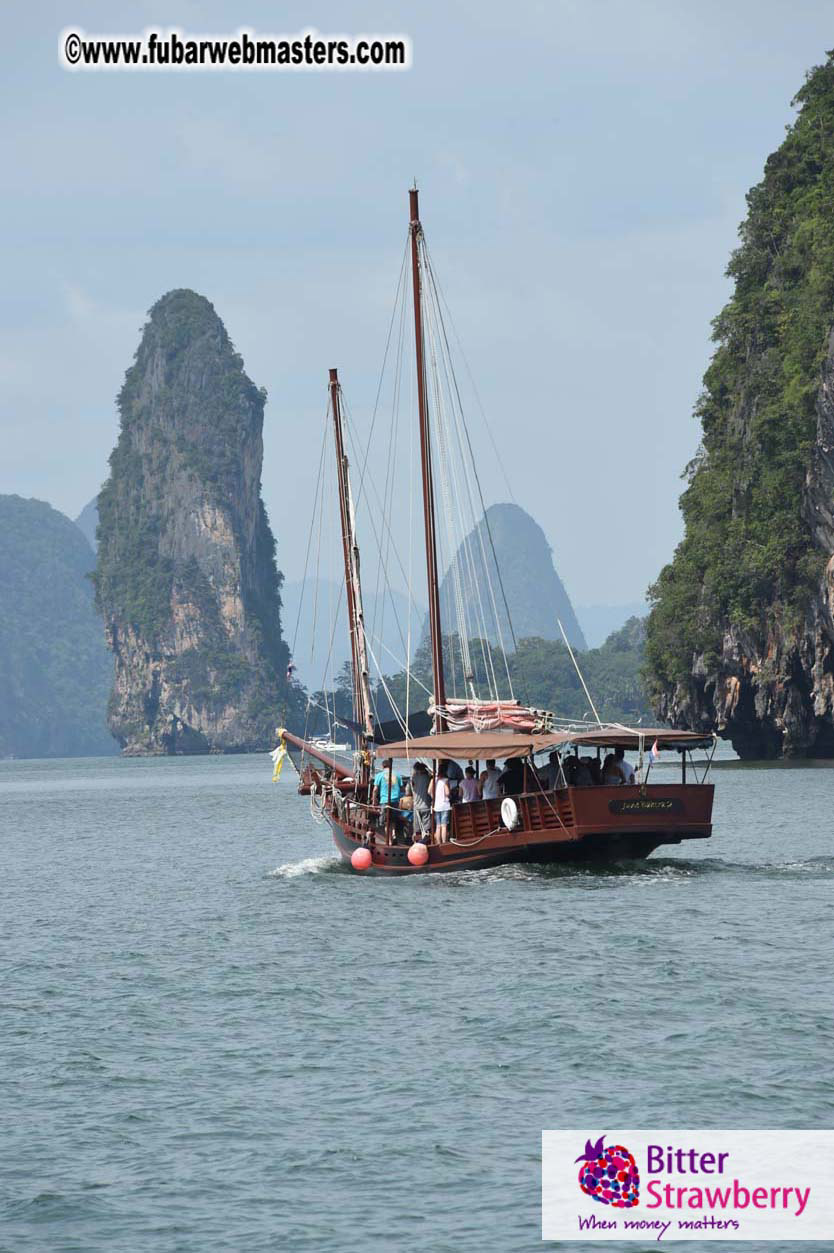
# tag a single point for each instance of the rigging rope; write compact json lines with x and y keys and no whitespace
{"x":385,"y":688}
{"x":441,"y":465}
{"x":309,"y":538}
{"x":471,"y":527}
{"x":436,"y":287}
{"x":469,"y":570}
{"x":473,"y":383}
{"x":414,"y":679}
{"x":478,"y":520}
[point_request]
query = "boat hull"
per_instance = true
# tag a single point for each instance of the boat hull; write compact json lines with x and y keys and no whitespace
{"x":573,"y":825}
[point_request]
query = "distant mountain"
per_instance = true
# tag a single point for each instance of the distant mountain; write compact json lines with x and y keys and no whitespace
{"x":535,"y":594}
{"x":87,"y":521}
{"x":385,"y":619}
{"x":55,"y":670}
{"x":600,"y":621}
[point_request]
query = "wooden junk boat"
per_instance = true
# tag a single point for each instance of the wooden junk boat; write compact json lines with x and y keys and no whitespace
{"x":537,"y":824}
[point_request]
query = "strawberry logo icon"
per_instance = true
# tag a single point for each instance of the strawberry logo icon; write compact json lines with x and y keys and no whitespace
{"x":609,"y":1175}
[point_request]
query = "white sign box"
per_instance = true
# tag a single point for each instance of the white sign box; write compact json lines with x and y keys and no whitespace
{"x":687,"y":1185}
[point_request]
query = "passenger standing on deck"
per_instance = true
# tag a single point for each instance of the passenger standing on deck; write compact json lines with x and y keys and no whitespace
{"x":612,"y":776}
{"x":552,"y":774}
{"x":455,"y":776}
{"x":469,"y":790}
{"x":420,"y":783}
{"x":625,"y":767}
{"x":490,"y":790}
{"x":439,"y":790}
{"x":511,"y":780}
{"x":570,"y":767}
{"x":388,"y":798}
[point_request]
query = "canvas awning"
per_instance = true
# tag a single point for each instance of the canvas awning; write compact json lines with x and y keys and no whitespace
{"x":474,"y":745}
{"x":483,"y":745}
{"x":629,"y":737}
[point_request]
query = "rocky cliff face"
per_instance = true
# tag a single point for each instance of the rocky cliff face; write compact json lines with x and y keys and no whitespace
{"x":186,"y":578}
{"x":771,"y":696}
{"x":771,"y":691}
{"x":741,"y":635}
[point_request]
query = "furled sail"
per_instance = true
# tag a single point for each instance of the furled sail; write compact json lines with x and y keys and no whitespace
{"x":493,"y":715}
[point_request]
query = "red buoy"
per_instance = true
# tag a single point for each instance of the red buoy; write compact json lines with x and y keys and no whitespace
{"x":418,"y":854}
{"x":361,"y":858}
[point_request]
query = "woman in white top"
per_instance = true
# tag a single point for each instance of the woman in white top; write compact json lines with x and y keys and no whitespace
{"x":439,"y":789}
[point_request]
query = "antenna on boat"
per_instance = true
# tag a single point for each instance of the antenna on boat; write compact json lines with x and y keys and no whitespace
{"x":579,"y":672}
{"x":353,"y":584}
{"x":416,"y":232}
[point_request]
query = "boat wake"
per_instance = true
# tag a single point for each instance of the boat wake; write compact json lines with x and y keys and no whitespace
{"x":654,"y":869}
{"x":717,"y":865}
{"x":307,"y":866}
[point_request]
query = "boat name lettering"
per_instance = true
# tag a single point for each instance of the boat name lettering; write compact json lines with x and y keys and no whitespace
{"x":647,"y":805}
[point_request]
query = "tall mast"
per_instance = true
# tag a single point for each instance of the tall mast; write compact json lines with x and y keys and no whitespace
{"x":425,"y":461}
{"x":353,"y":585}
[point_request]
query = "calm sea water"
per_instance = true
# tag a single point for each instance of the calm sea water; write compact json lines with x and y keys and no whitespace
{"x":214,"y":1038}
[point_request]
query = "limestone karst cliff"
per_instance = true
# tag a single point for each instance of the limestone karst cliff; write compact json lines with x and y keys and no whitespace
{"x":186,"y":579}
{"x":535,"y":594}
{"x":741,"y":635}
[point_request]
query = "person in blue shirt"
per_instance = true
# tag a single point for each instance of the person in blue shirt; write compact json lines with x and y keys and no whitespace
{"x":389,"y":797}
{"x":381,"y":796}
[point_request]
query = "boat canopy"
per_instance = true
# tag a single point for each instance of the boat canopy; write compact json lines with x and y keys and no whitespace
{"x":630,"y":737}
{"x":477,"y":745}
{"x":482,"y":745}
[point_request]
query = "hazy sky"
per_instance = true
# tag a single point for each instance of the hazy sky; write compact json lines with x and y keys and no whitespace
{"x":583,"y":169}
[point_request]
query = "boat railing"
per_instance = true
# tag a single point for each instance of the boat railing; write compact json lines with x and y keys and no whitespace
{"x":388,"y":824}
{"x":537,"y":810}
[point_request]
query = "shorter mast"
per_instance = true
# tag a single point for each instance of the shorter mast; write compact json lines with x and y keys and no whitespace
{"x":353,"y":584}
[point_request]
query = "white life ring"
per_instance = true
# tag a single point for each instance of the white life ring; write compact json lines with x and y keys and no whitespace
{"x":509,"y":813}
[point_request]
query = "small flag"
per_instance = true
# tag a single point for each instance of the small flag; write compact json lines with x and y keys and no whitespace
{"x":290,"y":671}
{"x":278,"y":754}
{"x":655,"y":753}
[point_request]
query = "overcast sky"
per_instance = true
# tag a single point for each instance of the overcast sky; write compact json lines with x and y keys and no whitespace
{"x":582,"y":165}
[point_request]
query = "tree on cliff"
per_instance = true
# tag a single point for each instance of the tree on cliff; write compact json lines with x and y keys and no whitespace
{"x":543,"y":676}
{"x":186,"y":578}
{"x":734,"y":631}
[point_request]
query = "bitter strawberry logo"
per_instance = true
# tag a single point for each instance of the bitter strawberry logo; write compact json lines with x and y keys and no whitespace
{"x":609,"y":1175}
